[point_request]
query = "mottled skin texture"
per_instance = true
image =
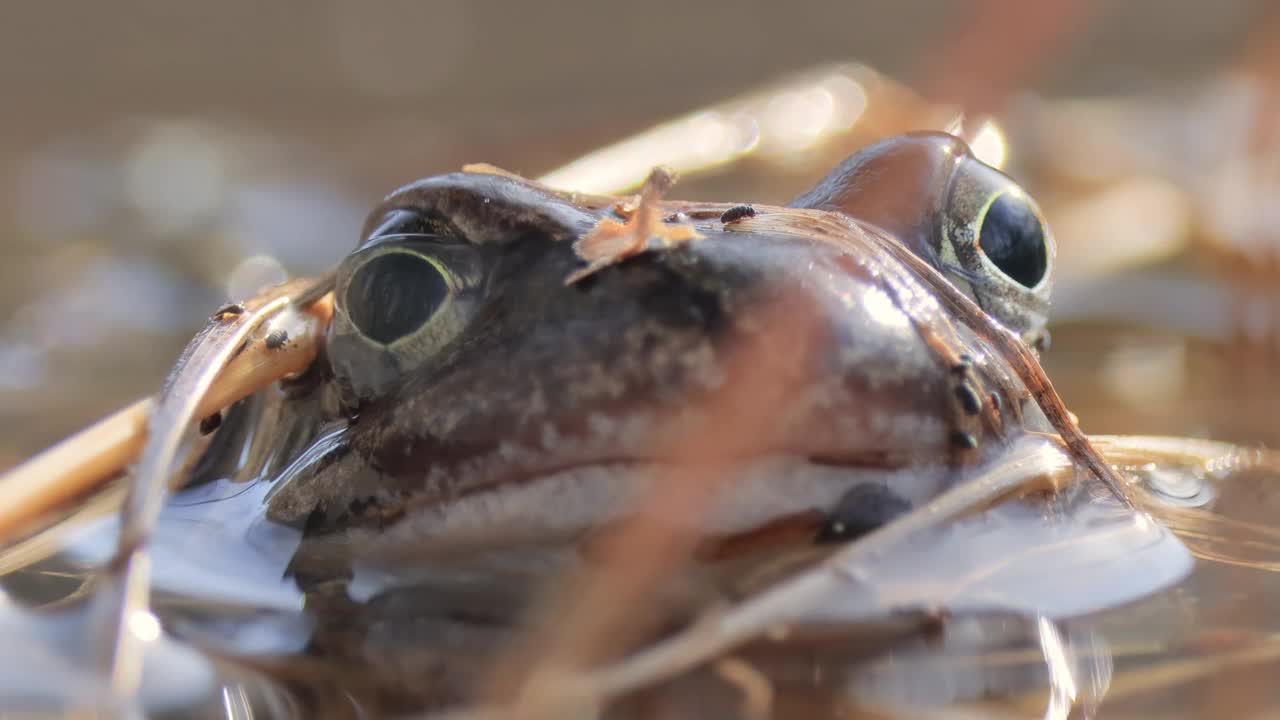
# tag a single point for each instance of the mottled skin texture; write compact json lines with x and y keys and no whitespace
{"x":545,"y":377}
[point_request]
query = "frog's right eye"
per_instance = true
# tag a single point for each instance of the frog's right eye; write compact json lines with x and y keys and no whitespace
{"x":398,"y":302}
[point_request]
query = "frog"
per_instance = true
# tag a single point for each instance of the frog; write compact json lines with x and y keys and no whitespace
{"x":465,"y":359}
{"x":509,"y":364}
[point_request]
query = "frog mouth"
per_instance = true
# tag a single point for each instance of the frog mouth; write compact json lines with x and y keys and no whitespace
{"x":566,"y":502}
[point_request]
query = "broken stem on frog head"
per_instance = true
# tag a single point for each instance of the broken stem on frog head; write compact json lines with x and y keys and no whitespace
{"x":125,"y":589}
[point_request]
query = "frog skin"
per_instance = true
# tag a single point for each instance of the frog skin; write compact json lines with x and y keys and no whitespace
{"x":523,"y":376}
{"x":497,"y":376}
{"x":507,"y":363}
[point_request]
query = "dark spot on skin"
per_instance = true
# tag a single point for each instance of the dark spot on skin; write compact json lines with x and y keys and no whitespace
{"x":227,"y":311}
{"x":859,"y":511}
{"x":736,"y":213}
{"x":357,"y":506}
{"x":696,"y":307}
{"x":315,"y":520}
{"x":968,"y":399}
{"x":995,"y":401}
{"x":211,"y":423}
{"x":963,"y":365}
{"x":649,"y":343}
{"x":963,"y":440}
{"x":277,"y":339}
{"x":371,"y":511}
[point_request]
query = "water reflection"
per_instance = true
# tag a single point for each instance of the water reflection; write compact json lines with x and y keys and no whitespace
{"x":125,"y":239}
{"x":47,"y":673}
{"x":1040,"y":606}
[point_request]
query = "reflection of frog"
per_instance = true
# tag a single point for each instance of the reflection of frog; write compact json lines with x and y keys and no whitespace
{"x":471,"y":362}
{"x":514,"y":361}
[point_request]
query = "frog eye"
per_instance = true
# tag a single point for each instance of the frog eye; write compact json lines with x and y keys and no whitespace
{"x":399,"y":301}
{"x":997,"y":248}
{"x":394,"y":294}
{"x":1012,"y":238}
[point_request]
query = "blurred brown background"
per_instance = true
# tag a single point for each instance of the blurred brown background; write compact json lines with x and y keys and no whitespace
{"x":155,"y":154}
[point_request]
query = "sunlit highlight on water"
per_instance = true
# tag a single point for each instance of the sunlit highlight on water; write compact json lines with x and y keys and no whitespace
{"x":779,"y":124}
{"x":1063,"y":691}
{"x":144,"y":626}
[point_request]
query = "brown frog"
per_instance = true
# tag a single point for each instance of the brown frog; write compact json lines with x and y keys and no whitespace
{"x":473,"y":353}
{"x":509,"y":366}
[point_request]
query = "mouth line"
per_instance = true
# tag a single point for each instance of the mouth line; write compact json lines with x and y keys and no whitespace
{"x":566,"y":501}
{"x":516,"y":477}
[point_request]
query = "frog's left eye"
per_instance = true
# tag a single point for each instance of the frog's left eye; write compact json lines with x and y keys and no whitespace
{"x":997,"y":248}
{"x":394,"y":294}
{"x":1012,"y":238}
{"x":398,"y":302}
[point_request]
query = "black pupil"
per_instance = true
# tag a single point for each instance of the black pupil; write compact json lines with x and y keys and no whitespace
{"x":1013,"y":238}
{"x":394,"y":294}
